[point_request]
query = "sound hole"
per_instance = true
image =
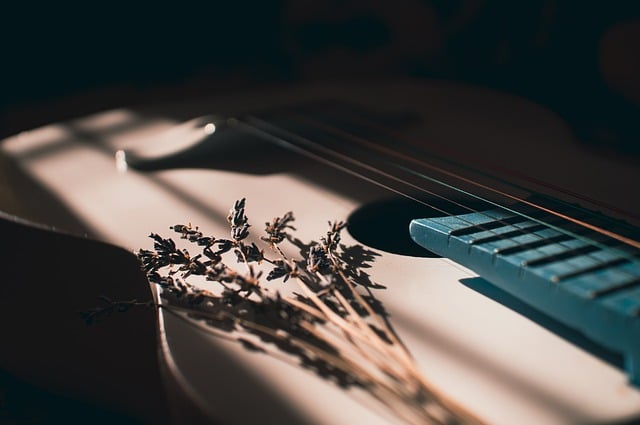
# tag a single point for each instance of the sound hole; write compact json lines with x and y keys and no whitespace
{"x":384,"y":225}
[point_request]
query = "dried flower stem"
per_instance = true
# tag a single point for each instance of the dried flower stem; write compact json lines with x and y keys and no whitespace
{"x":329,"y":326}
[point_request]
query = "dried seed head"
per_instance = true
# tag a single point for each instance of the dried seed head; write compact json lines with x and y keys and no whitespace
{"x":250,"y":253}
{"x":317,"y":260}
{"x":276,"y":230}
{"x":332,"y":239}
{"x":238,"y":221}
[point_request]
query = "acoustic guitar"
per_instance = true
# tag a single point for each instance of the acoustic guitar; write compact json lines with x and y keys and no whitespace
{"x":508,"y":250}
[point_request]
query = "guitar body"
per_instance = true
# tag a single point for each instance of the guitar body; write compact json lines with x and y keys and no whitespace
{"x":503,"y":361}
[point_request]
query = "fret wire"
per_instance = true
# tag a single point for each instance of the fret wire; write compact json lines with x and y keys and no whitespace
{"x":588,"y":241}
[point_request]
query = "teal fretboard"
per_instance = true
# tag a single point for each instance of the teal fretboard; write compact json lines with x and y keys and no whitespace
{"x":591,"y":285}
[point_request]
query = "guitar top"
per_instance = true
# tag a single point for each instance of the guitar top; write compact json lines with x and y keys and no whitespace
{"x":495,"y":185}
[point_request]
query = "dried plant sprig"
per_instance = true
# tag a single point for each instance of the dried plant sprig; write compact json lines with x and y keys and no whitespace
{"x":326,"y":323}
{"x":109,"y":307}
{"x":276,"y":230}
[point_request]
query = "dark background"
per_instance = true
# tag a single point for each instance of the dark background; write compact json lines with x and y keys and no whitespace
{"x":581,"y":59}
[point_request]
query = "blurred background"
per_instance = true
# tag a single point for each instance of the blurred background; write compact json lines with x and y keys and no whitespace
{"x":581,"y":59}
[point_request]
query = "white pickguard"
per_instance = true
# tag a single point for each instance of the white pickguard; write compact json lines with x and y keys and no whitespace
{"x":497,"y":363}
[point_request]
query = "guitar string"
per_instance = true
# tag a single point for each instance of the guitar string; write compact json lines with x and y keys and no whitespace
{"x":402,"y":138}
{"x":407,"y":158}
{"x":622,"y":255}
{"x":548,"y":224}
{"x":398,"y":140}
{"x":289,"y":145}
{"x":422,"y":189}
{"x":392,"y":177}
{"x":397,"y":179}
{"x":292,"y":147}
{"x":357,"y":163}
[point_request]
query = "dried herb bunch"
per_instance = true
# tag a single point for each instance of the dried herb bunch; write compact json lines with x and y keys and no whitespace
{"x":325,"y":316}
